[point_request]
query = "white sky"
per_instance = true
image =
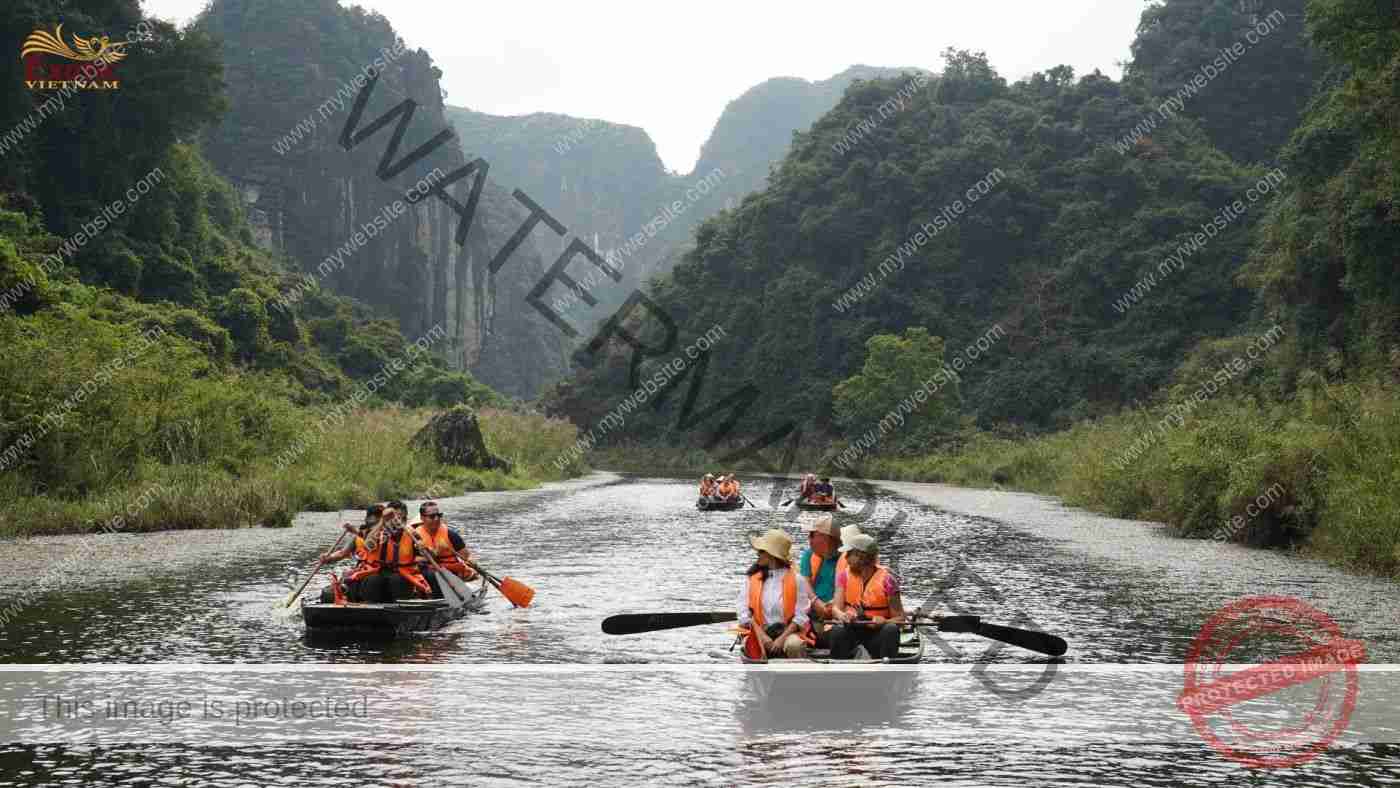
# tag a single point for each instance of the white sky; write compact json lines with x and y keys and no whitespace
{"x":670,"y":68}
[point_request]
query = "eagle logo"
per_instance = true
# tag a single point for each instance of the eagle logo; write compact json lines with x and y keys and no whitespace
{"x":98,"y":48}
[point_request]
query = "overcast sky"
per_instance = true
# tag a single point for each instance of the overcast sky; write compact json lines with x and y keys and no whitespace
{"x":670,"y":68}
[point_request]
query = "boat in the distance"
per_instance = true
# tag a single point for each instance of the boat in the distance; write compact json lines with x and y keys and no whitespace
{"x":388,"y":620}
{"x":817,"y":503}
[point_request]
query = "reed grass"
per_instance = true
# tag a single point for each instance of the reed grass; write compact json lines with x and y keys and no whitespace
{"x":366,"y":459}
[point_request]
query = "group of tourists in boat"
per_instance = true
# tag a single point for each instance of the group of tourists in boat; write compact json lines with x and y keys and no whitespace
{"x":720,"y":492}
{"x":815,"y":493}
{"x":397,"y":558}
{"x":724,"y":492}
{"x":834,"y":596}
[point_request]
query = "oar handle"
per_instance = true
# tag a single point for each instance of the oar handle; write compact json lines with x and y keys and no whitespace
{"x":320,"y":562}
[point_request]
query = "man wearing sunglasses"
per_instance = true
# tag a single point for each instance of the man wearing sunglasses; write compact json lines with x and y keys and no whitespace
{"x":445,"y":543}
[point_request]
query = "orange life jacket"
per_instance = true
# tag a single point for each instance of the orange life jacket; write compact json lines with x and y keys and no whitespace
{"x":816,"y":564}
{"x":707,"y":489}
{"x":729,"y":489}
{"x":395,"y":554}
{"x":441,"y":545}
{"x":789,"y":603}
{"x":870,"y":595}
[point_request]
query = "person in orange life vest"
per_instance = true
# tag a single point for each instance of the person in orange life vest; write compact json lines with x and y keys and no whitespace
{"x":728,"y":486}
{"x":868,"y":592}
{"x":444,"y":543}
{"x":390,"y":569}
{"x":372,"y":516}
{"x":819,"y":564}
{"x":774,"y":601}
{"x":708,"y":488}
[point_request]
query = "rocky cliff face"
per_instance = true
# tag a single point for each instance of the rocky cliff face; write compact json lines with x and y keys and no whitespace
{"x":294,"y":70}
{"x":605,"y":182}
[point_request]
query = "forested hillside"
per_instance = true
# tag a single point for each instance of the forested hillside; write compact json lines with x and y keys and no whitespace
{"x":144,"y":343}
{"x":1058,"y":227}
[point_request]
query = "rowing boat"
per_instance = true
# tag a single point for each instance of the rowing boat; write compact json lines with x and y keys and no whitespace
{"x":817,"y":506}
{"x":719,"y":504}
{"x":388,"y":619}
{"x":911,"y":650}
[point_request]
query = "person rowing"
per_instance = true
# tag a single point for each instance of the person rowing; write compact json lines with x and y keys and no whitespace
{"x":808,"y":486}
{"x":774,"y":601}
{"x":867,"y":603}
{"x":708,"y":487}
{"x":357,"y":549}
{"x":819,"y":564}
{"x":447,"y":546}
{"x":388,"y":568}
{"x":729,"y":487}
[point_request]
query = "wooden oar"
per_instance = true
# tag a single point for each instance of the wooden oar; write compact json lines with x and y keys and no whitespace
{"x":636,"y":623}
{"x":746,"y":500}
{"x":1028,"y":639}
{"x":319,"y":563}
{"x":517,"y":592}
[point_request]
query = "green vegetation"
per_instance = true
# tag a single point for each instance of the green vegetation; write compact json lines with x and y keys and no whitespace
{"x":801,"y":274}
{"x":896,"y":368}
{"x":357,"y":463}
{"x":145,"y":352}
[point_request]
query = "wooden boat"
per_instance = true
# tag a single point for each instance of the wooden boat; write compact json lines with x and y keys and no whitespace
{"x":817,"y":505}
{"x":911,"y":650}
{"x":390,"y":619}
{"x":719,"y":504}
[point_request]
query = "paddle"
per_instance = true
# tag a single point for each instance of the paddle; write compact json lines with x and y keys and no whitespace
{"x":746,"y":500}
{"x":320,"y":563}
{"x":1030,"y":640}
{"x":637,"y":623}
{"x":517,"y":592}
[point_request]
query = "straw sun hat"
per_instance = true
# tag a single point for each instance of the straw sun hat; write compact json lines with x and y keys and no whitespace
{"x":775,"y":543}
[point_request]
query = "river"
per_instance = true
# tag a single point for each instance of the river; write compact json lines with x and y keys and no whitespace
{"x":541,"y":695}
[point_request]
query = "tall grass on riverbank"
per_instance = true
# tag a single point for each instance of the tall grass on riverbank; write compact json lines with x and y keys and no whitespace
{"x":365,"y":459}
{"x":1318,"y":473}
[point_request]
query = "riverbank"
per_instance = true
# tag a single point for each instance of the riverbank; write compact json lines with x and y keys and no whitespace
{"x":350,"y":465}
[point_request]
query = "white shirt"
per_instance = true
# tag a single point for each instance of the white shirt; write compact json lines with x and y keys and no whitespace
{"x":773,"y":599}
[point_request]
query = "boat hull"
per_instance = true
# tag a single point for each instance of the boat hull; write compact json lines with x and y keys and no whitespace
{"x":911,"y":651}
{"x":719,"y":505}
{"x":808,"y":506}
{"x":389,"y":620}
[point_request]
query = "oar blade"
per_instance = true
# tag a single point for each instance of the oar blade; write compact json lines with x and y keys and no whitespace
{"x":637,"y":623}
{"x":517,"y":592}
{"x":453,"y":590}
{"x":1042,"y":642}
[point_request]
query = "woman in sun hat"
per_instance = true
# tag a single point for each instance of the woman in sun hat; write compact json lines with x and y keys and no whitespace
{"x":774,"y":601}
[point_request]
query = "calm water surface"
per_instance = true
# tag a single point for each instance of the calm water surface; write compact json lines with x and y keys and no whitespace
{"x":607,"y":708}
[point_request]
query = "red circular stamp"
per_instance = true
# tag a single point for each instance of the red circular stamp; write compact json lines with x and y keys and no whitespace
{"x":1313,"y":656}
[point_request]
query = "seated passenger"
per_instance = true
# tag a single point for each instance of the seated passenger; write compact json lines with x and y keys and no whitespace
{"x":867,"y":603}
{"x":774,"y":601}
